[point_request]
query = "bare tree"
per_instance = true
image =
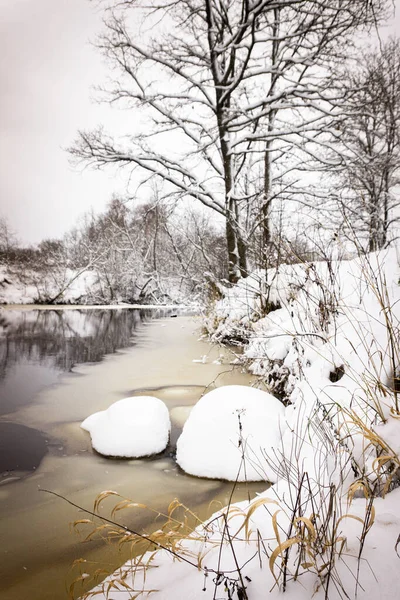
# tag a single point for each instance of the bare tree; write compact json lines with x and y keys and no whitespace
{"x":8,"y":240}
{"x":217,"y":83}
{"x":370,"y":145}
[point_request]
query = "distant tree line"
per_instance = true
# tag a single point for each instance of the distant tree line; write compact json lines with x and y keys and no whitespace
{"x":142,"y":253}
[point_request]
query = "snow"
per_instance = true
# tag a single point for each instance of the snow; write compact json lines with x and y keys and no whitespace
{"x":132,"y":427}
{"x":66,"y":287}
{"x":29,"y":286}
{"x":330,"y":346}
{"x":379,"y":568}
{"x":229,"y":433}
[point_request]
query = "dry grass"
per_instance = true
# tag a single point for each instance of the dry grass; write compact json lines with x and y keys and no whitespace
{"x":306,"y":535}
{"x":178,"y":525}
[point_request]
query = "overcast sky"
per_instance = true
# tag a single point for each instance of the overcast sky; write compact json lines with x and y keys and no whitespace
{"x":47,"y":68}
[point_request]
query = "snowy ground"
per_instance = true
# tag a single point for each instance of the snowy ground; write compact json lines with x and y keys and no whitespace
{"x":68,"y":287}
{"x":328,"y":527}
{"x":29,"y":287}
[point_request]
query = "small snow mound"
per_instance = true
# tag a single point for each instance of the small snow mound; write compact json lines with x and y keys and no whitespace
{"x":132,"y":427}
{"x":210,"y":445}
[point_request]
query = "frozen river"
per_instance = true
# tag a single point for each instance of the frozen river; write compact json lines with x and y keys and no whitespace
{"x":56,"y":368}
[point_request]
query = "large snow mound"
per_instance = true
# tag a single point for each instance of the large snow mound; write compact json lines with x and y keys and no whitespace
{"x":230,"y":434}
{"x":132,"y":427}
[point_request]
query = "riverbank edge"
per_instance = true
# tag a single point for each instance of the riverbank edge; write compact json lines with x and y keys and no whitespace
{"x":97,"y":306}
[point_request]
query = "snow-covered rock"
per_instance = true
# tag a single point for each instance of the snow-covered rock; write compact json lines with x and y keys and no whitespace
{"x":132,"y":427}
{"x":231,"y":433}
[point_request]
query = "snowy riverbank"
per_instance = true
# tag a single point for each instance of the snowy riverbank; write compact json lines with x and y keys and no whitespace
{"x":66,"y":288}
{"x":329,"y":346}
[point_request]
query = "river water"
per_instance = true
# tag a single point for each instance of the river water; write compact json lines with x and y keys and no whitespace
{"x":56,"y":368}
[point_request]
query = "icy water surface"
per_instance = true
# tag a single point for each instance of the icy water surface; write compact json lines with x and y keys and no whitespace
{"x":50,"y":382}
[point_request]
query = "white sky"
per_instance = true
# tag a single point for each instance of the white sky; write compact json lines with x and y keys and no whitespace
{"x":47,"y":68}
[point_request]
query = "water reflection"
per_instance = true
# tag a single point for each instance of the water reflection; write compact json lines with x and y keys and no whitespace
{"x":35,"y":345}
{"x":67,"y":336}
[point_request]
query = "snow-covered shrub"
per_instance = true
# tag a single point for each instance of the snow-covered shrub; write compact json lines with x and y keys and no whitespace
{"x":333,"y":344}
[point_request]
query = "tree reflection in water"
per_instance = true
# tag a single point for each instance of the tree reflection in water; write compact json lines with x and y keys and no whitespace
{"x":57,"y":340}
{"x":67,"y":337}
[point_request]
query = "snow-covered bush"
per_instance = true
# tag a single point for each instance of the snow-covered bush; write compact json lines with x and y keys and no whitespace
{"x":333,"y":344}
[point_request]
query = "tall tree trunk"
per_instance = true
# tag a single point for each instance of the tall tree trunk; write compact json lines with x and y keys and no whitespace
{"x":385,"y":224}
{"x":237,"y":252}
{"x":155,"y":238}
{"x":267,"y":200}
{"x":237,"y":262}
{"x":266,"y":208}
{"x":233,"y":251}
{"x":242,"y":248}
{"x":373,"y":244}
